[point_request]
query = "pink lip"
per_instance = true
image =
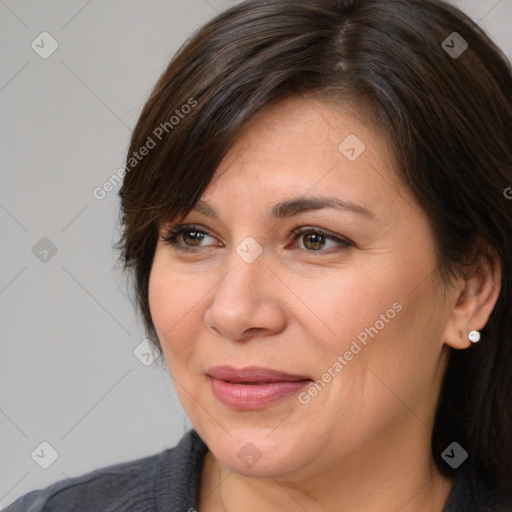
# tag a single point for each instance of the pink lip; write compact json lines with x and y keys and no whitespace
{"x":253,"y":387}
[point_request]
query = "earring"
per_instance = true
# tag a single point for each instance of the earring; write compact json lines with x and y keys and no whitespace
{"x":474,"y":336}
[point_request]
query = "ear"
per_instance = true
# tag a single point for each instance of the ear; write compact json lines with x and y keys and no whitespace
{"x":476,"y":295}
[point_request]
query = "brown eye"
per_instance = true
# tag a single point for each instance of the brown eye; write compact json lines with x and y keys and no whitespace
{"x":314,"y":239}
{"x":185,"y":237}
{"x":195,"y":237}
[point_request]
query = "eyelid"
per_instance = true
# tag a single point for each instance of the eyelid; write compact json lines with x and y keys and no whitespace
{"x":174,"y":231}
{"x":340,"y":240}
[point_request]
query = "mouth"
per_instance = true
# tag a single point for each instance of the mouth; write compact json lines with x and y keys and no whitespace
{"x":253,"y":375}
{"x":253,"y":387}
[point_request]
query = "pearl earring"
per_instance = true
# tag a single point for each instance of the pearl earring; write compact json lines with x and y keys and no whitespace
{"x":474,"y":336}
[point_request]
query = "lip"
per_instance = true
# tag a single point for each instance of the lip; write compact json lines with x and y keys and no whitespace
{"x":253,"y":374}
{"x":253,"y":387}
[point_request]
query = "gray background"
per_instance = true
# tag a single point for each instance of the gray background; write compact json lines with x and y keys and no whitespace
{"x":68,"y":373}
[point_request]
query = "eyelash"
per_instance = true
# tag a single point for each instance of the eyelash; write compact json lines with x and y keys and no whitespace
{"x":172,"y":234}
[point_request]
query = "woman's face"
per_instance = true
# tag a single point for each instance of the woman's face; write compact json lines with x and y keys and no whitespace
{"x":350,"y":303}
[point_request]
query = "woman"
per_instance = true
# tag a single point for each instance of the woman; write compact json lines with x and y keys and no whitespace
{"x":316,"y":218}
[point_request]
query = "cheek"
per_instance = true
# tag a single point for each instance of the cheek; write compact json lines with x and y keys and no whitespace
{"x":375,"y":324}
{"x":174,"y":304}
{"x":355,"y":307}
{"x":389,"y":350}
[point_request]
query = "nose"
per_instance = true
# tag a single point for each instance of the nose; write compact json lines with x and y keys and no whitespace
{"x":247,"y":301}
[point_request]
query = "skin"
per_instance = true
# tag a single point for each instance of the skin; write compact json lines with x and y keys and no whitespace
{"x":363,"y":442}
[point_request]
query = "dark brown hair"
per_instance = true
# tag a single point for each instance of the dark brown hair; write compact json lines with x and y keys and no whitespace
{"x":448,"y":119}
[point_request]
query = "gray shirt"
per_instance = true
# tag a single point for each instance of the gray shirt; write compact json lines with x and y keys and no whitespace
{"x":169,"y":482}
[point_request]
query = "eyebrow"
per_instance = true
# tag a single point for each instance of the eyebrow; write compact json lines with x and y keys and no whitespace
{"x":296,"y":206}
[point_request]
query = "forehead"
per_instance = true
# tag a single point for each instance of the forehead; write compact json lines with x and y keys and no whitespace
{"x":303,"y":147}
{"x":311,"y":119}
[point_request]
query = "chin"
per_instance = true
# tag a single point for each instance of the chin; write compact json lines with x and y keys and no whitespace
{"x":257,"y":455}
{"x":263,"y":468}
